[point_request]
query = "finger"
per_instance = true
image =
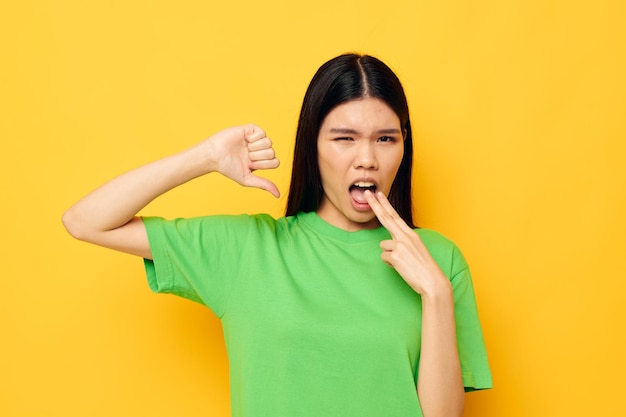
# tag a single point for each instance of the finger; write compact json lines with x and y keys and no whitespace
{"x":376,"y":207}
{"x":387,"y":208}
{"x":379,"y":211}
{"x":385,"y":213}
{"x":262,"y":183}
{"x":261,"y":143}
{"x":393,"y":214}
{"x":387,"y":245}
{"x":253,"y":133}
{"x":262,"y":154}
{"x":264,"y":164}
{"x":387,"y":257}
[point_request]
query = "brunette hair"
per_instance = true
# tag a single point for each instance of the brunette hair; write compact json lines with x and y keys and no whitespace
{"x":344,"y":78}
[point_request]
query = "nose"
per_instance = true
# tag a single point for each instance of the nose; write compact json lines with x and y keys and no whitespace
{"x":365,"y":157}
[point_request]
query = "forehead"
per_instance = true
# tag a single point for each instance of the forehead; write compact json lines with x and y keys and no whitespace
{"x":363,"y":114}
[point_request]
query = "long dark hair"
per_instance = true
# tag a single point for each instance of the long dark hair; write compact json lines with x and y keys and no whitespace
{"x":344,"y":78}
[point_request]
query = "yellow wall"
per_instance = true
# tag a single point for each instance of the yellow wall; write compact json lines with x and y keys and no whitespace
{"x":518,"y":108}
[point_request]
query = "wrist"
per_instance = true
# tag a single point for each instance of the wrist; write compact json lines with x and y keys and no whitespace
{"x":200,"y":159}
{"x":439,"y":293}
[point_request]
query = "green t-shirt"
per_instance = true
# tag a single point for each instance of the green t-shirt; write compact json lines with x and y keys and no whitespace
{"x":315,"y":323}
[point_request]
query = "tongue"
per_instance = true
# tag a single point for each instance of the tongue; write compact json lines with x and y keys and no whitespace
{"x":358,"y":194}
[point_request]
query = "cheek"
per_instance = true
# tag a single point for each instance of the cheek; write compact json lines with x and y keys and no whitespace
{"x":328,"y":175}
{"x":393,"y":164}
{"x":324,"y":166}
{"x":332,"y":162}
{"x":395,"y":160}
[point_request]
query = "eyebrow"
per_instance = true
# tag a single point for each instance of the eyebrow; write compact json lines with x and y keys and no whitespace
{"x":354,"y":132}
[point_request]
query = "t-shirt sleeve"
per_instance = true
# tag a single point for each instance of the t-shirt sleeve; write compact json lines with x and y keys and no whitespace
{"x":472,"y":353}
{"x":196,"y":258}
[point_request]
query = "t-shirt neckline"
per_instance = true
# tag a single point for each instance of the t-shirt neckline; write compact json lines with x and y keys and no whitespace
{"x":320,"y":226}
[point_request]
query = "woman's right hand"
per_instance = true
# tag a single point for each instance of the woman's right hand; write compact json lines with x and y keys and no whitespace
{"x":237,"y":152}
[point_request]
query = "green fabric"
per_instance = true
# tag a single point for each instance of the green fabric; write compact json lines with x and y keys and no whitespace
{"x":315,"y":323}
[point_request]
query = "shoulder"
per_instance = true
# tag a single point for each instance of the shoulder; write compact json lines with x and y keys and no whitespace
{"x":443,"y":250}
{"x":217,"y":231}
{"x":435,"y":240}
{"x":227,"y":220}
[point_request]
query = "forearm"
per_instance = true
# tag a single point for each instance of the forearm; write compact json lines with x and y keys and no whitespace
{"x":116,"y":202}
{"x":440,"y":385}
{"x":107,"y":216}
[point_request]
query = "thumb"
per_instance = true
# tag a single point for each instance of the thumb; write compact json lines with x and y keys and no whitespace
{"x":262,"y":183}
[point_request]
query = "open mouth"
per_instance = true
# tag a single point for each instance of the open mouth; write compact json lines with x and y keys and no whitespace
{"x":357,"y":191}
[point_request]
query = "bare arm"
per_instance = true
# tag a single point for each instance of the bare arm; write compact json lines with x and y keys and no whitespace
{"x":440,"y":385}
{"x":107,"y":216}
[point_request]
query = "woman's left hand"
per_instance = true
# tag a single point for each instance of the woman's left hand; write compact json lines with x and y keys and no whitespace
{"x":406,"y":252}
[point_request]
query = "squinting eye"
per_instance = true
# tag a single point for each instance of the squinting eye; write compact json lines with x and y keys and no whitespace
{"x":343,"y":138}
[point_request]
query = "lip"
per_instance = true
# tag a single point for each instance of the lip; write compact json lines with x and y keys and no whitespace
{"x":363,"y":207}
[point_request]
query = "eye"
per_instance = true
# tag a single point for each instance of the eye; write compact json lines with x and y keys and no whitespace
{"x":343,"y":138}
{"x":386,"y":139}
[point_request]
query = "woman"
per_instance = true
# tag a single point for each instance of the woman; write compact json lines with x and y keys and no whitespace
{"x":340,"y":308}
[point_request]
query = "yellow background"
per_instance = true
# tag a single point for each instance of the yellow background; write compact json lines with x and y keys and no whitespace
{"x":518,"y":110}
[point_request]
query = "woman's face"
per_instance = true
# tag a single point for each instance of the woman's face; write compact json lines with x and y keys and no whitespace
{"x":360,"y":146}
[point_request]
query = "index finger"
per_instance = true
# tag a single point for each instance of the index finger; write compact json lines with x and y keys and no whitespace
{"x":253,"y":133}
{"x":385,"y":213}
